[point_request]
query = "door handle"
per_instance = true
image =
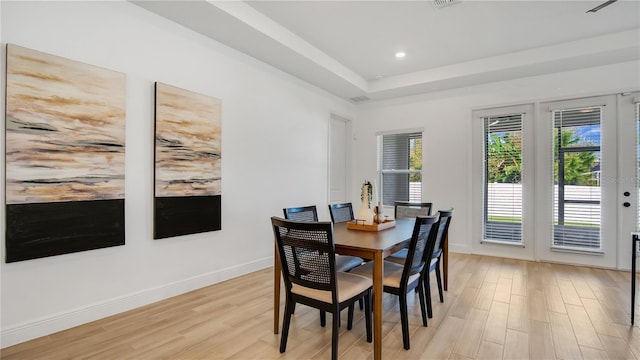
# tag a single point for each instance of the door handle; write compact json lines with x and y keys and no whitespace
{"x":626,"y":204}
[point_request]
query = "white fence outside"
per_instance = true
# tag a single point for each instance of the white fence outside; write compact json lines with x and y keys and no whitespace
{"x":505,"y":200}
{"x":415,"y":192}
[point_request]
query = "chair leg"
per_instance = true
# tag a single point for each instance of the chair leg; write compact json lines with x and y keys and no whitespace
{"x":288,"y":311}
{"x":334,"y":334}
{"x":439,"y":278}
{"x":367,"y":315}
{"x":404,"y":319}
{"x":323,"y":318}
{"x":423,"y":310}
{"x":361,"y":303}
{"x":427,"y":290}
{"x":350,"y":317}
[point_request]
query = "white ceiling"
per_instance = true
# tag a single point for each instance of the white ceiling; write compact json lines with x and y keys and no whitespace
{"x":348,"y":47}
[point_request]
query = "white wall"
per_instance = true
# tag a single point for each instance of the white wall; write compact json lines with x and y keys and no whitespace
{"x":446,"y":119}
{"x":275,"y":130}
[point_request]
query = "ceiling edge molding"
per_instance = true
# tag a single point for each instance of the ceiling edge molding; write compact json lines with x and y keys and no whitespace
{"x":240,"y":26}
{"x":258,"y":21}
{"x":611,"y":43}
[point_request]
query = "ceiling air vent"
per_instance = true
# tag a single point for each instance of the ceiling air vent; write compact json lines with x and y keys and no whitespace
{"x":599,"y":7}
{"x":359,"y":99}
{"x":441,"y":4}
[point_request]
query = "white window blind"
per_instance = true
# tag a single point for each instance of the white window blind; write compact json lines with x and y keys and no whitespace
{"x":502,"y":218}
{"x":400,"y":167}
{"x":577,"y":161}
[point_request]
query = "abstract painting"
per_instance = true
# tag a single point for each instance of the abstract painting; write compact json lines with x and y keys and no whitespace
{"x":65,"y":155}
{"x":187,"y":162}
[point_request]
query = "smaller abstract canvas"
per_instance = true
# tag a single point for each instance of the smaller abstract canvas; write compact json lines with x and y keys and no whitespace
{"x":187,"y":162}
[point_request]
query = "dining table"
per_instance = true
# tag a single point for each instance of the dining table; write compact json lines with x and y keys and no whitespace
{"x":369,"y":245}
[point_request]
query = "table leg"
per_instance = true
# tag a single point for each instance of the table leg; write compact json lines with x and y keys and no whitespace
{"x":634,"y":240}
{"x":378,"y":270}
{"x":276,"y":290}
{"x":445,"y":262}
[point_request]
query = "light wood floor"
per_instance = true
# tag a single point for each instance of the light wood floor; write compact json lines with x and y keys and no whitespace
{"x":495,"y":308}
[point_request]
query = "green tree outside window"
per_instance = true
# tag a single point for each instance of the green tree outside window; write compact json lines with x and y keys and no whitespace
{"x":504,"y":159}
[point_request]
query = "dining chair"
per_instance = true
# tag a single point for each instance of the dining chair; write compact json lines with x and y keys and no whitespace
{"x":310,"y":213}
{"x":401,"y":279}
{"x":302,"y":213}
{"x":342,"y":262}
{"x":341,"y":212}
{"x":436,"y":258}
{"x":307,"y":256}
{"x":406,"y":209}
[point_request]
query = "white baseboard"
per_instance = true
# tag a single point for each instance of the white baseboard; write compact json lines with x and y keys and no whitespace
{"x":457,"y":248}
{"x":68,"y":319}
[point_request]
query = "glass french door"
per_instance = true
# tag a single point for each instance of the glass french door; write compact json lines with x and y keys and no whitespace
{"x":588,"y":153}
{"x":577,"y":163}
{"x":629,"y":179}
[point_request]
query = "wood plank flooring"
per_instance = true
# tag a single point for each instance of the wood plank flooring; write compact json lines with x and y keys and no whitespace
{"x":495,"y":309}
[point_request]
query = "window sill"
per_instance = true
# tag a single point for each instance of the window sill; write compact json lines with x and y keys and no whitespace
{"x":498,"y":242}
{"x":577,"y":251}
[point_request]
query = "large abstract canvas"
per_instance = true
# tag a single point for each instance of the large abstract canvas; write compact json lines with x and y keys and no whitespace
{"x":187,"y":162}
{"x":65,"y":154}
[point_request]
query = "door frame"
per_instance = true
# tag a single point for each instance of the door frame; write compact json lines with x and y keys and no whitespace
{"x":347,"y":156}
{"x":544,"y":184}
{"x":621,"y":164}
{"x":627,"y":175}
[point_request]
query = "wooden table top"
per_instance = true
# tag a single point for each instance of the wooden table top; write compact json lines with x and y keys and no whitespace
{"x":373,"y":240}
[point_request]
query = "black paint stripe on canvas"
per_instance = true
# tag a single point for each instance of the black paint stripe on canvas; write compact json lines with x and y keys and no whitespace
{"x":183,"y":215}
{"x":45,"y":229}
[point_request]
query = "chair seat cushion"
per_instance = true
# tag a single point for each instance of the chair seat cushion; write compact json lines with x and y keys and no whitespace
{"x":433,"y":264}
{"x":349,"y":285}
{"x":398,"y":257}
{"x":392,"y":273}
{"x":346,"y":263}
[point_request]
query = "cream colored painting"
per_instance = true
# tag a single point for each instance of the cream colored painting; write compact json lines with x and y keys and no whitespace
{"x":65,"y":154}
{"x":187,"y":162}
{"x":65,"y":129}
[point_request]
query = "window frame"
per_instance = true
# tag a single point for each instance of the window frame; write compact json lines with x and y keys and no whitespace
{"x":480,"y":245}
{"x":559,"y":240}
{"x":379,"y":168}
{"x":486,"y":195}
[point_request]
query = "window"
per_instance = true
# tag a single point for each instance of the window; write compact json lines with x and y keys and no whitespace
{"x":502,"y":218}
{"x":400,"y":167}
{"x":576,"y":177}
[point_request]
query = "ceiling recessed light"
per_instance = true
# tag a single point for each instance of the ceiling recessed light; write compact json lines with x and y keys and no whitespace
{"x":400,"y":54}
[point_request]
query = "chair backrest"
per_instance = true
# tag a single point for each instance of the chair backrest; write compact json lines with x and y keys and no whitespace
{"x":307,"y":253}
{"x":341,"y":212}
{"x":405,"y":209}
{"x":443,"y":230}
{"x":303,"y":213}
{"x":421,"y":245}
